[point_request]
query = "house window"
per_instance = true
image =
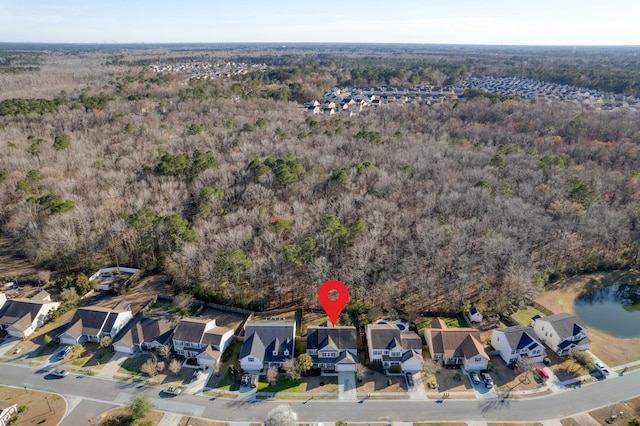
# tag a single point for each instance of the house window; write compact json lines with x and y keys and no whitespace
{"x":328,"y":354}
{"x":275,"y":352}
{"x":251,"y":359}
{"x":377,"y":352}
{"x":478,"y":359}
{"x":286,"y":352}
{"x":396,"y":354}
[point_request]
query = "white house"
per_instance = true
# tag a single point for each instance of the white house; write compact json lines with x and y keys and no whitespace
{"x":389,"y":346}
{"x":516,"y":342}
{"x":7,"y":410}
{"x":267,"y":343}
{"x":474,"y":315}
{"x":562,"y":333}
{"x":333,"y":349}
{"x":456,"y":346}
{"x":3,"y":299}
{"x":92,"y":323}
{"x":148,"y":331}
{"x":20,"y":317}
{"x":201,"y":339}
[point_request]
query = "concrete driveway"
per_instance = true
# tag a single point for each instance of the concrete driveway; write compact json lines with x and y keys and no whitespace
{"x":417,"y":391}
{"x":347,"y":385}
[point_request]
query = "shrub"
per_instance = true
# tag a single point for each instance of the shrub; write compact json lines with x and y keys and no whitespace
{"x":395,"y":369}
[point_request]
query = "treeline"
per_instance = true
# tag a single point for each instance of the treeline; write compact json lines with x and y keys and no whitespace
{"x":247,"y":200}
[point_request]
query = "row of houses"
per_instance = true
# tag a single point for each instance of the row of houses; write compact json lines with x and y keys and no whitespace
{"x":207,"y":70}
{"x":269,"y":343}
{"x":526,"y":88}
{"x":561,"y":333}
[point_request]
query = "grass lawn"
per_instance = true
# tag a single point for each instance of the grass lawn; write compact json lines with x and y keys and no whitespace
{"x":456,"y":322}
{"x":226,"y":381}
{"x":284,"y":384}
{"x":524,"y":315}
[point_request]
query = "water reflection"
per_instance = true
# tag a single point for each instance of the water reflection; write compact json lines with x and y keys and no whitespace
{"x":614,"y":309}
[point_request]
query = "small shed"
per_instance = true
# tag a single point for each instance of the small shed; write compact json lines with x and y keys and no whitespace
{"x":475,"y":316}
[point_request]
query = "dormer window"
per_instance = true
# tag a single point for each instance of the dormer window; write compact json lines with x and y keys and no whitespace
{"x":286,"y":352}
{"x":275,"y":352}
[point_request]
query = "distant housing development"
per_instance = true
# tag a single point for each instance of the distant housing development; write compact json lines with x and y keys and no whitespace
{"x":352,"y":99}
{"x":207,"y":70}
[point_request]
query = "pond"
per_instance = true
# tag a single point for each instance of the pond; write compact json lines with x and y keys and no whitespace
{"x":614,"y":310}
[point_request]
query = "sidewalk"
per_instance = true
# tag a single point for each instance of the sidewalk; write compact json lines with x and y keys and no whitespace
{"x":112,"y":366}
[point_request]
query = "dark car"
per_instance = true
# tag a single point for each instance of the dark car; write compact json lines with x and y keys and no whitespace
{"x":410,"y":380}
{"x":488,"y":381}
{"x":475,"y":379}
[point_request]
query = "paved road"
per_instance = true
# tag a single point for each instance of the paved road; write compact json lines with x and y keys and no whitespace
{"x":559,"y":405}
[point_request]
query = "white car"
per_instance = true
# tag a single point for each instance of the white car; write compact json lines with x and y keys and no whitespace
{"x":601,"y":368}
{"x":60,"y":373}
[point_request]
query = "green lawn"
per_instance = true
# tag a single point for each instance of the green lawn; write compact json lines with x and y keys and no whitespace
{"x":523,"y":315}
{"x":132,"y":365}
{"x":456,"y":322}
{"x":284,"y":384}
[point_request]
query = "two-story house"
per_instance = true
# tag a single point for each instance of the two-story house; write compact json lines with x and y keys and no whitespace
{"x":333,"y":349}
{"x":562,"y":333}
{"x":148,"y":331}
{"x":267,"y":343}
{"x":201,"y":339}
{"x":516,"y":342}
{"x":456,"y":346}
{"x":390,"y":346}
{"x":20,"y":317}
{"x":92,"y":323}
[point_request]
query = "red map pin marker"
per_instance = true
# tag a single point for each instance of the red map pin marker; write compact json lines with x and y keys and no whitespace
{"x":333,"y":308}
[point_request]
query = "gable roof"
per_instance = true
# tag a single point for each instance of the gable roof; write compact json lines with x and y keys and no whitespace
{"x":519,"y":336}
{"x":20,"y":313}
{"x":438,"y":323}
{"x":566,"y":325}
{"x":150,"y":327}
{"x":266,"y":336}
{"x":341,"y":337}
{"x":92,"y":320}
{"x":192,"y":329}
{"x":214,"y":336}
{"x":457,"y":342}
{"x":387,"y":336}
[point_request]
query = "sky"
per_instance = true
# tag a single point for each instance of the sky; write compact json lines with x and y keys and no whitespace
{"x":492,"y":22}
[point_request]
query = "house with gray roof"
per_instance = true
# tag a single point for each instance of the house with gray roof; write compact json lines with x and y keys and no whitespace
{"x":562,"y":333}
{"x":148,"y":331}
{"x":20,"y":317}
{"x":267,"y":343}
{"x":514,"y":343}
{"x":390,"y":346}
{"x":92,"y":323}
{"x":201,"y":339}
{"x":456,"y":346}
{"x":333,"y":349}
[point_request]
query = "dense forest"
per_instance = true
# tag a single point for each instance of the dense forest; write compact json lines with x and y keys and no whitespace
{"x":241,"y":197}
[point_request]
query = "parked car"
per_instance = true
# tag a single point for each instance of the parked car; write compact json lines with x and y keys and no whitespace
{"x":173,"y":390}
{"x":254,"y":380}
{"x":602,"y":369}
{"x":244,"y":381}
{"x":488,"y":381}
{"x":59,"y":373}
{"x":409,"y":380}
{"x":63,"y":352}
{"x":541,"y":373}
{"x":475,"y":379}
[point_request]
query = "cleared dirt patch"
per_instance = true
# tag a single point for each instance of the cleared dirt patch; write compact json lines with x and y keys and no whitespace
{"x":629,"y":410}
{"x":138,"y":296}
{"x":560,"y":297}
{"x":508,"y":379}
{"x":374,"y":381}
{"x":153,"y":418}
{"x":40,"y":407}
{"x":515,"y":424}
{"x":452,"y":381}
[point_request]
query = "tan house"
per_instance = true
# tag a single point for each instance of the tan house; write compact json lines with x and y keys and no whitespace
{"x":92,"y":323}
{"x":148,"y":331}
{"x":390,"y":346}
{"x":456,"y":346}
